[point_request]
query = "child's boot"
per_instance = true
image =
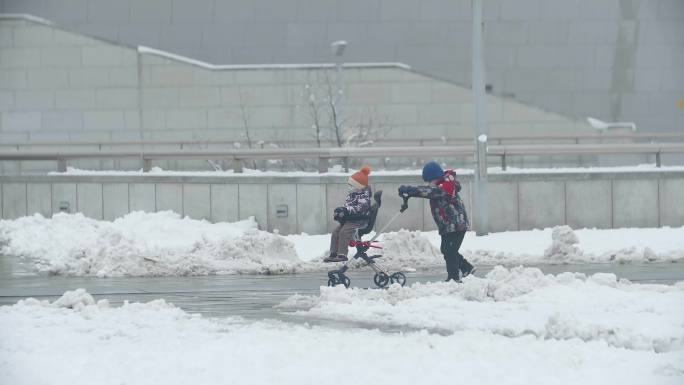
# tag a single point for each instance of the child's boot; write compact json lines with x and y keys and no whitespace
{"x":470,"y":271}
{"x":339,"y":258}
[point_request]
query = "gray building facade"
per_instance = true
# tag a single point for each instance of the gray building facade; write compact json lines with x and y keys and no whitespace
{"x":616,"y":60}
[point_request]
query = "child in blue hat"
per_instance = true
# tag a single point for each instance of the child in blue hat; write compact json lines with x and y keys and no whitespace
{"x":449,"y":214}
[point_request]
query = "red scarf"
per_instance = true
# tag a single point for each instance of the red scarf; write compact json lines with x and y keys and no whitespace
{"x":448,"y":182}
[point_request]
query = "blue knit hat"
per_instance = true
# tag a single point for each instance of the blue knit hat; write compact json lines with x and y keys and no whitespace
{"x":432,"y":170}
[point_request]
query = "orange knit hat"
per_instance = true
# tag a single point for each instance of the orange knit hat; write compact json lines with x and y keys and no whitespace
{"x":359,"y":179}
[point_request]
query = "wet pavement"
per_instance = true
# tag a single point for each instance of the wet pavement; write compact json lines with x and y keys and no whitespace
{"x":253,"y":296}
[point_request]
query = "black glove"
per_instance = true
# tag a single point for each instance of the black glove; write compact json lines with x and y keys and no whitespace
{"x":340,"y":213}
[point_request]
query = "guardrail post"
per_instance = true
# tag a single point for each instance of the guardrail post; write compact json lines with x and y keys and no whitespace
{"x":323,"y":164}
{"x":237,"y":165}
{"x":61,"y":165}
{"x":503,"y":162}
{"x":658,"y":160}
{"x":147,"y":165}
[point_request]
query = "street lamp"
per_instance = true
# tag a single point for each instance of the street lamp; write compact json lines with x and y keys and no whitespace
{"x":481,"y":215}
{"x":338,"y":48}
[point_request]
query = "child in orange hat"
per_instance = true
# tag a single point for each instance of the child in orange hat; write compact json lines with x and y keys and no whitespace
{"x":352,"y":216}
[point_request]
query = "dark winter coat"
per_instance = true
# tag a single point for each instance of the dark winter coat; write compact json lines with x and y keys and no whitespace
{"x":448,"y":210}
{"x":357,"y":205}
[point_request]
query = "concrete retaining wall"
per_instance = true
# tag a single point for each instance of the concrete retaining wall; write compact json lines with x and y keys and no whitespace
{"x":304,"y":204}
{"x":615,"y":59}
{"x":58,"y":86}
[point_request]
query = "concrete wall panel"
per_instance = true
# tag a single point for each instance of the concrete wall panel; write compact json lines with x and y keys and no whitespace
{"x":169,"y":196}
{"x":335,"y":194}
{"x":89,"y":199}
{"x":542,"y":204}
{"x":115,"y":200}
{"x":635,"y":203}
{"x":252,"y":203}
{"x":197,"y":201}
{"x":142,"y":197}
{"x":224,"y":202}
{"x":671,"y":207}
{"x":282,"y":208}
{"x":39,"y":199}
{"x":64,"y":198}
{"x":502,"y":206}
{"x":412,"y":218}
{"x":312,"y":211}
{"x":588,"y":204}
{"x":14,"y":200}
{"x":547,"y":200}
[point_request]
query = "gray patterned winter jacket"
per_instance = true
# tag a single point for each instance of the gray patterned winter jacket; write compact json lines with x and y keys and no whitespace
{"x":448,"y":210}
{"x":358,"y":203}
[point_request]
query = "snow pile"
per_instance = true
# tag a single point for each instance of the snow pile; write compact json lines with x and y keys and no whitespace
{"x":563,"y":245}
{"x":156,"y":343}
{"x":517,"y":302}
{"x":145,"y":244}
{"x":163,"y":243}
{"x":402,"y":250}
{"x":76,"y":299}
{"x":407,"y":250}
{"x":634,"y":245}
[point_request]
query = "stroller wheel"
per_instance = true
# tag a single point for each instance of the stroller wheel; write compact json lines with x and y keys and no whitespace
{"x":332,"y":281}
{"x":345,"y":281}
{"x":398,"y":277}
{"x":381,"y":279}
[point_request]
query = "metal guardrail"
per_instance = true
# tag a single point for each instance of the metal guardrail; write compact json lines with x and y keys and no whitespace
{"x":323,"y":155}
{"x":656,"y":149}
{"x":181,"y":144}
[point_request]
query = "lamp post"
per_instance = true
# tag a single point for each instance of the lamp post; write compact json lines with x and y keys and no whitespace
{"x":481,"y":215}
{"x":338,"y":48}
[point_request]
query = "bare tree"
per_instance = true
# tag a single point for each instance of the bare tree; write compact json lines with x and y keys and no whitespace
{"x":244,"y":115}
{"x":314,"y":108}
{"x":337,"y":122}
{"x":367,"y":130}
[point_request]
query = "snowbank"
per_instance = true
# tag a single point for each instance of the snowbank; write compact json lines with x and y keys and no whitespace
{"x":518,"y":302}
{"x":562,"y":244}
{"x":161,"y":244}
{"x":145,"y":244}
{"x":407,"y":250}
{"x":156,"y":343}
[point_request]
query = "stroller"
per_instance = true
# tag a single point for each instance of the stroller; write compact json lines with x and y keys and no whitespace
{"x":382,"y":277}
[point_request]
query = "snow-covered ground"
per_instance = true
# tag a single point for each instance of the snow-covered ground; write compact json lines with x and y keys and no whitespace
{"x":517,"y":302}
{"x":632,"y":336}
{"x":164,"y":243}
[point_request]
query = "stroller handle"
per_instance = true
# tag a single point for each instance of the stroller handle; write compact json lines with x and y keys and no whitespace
{"x":404,"y":205}
{"x":403,"y":208}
